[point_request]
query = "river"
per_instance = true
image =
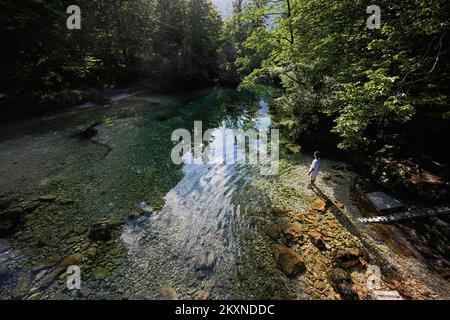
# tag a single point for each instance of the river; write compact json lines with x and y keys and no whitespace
{"x":207,"y":231}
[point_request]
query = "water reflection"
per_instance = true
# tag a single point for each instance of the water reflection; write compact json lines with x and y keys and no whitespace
{"x":203,"y":219}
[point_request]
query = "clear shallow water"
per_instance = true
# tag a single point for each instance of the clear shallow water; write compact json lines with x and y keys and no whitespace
{"x":202,"y":243}
{"x":206,"y":228}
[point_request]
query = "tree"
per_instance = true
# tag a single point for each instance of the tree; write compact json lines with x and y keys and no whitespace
{"x":45,"y":65}
{"x":363,"y":85}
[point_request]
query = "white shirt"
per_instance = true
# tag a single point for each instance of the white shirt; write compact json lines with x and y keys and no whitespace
{"x":315,"y":168}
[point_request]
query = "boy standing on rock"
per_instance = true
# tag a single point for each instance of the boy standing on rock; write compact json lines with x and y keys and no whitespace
{"x":314,"y":169}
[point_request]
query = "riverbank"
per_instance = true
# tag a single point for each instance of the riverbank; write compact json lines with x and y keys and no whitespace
{"x":60,"y":102}
{"x":337,"y":250}
{"x":411,"y":170}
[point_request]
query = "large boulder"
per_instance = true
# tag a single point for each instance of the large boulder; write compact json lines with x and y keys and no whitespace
{"x":289,"y":261}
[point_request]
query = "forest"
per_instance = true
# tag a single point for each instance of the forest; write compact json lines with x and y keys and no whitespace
{"x":45,"y":65}
{"x":382,"y":91}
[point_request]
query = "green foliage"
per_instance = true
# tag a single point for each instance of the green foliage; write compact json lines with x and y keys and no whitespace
{"x":120,"y":41}
{"x":339,"y":76}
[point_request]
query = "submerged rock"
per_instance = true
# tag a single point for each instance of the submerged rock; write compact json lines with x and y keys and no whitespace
{"x":288,"y":261}
{"x":88,"y":132}
{"x":29,"y":207}
{"x":103,"y":230}
{"x":133,"y":215}
{"x":23,"y":285}
{"x":293,"y":232}
{"x":87,"y":105}
{"x":317,"y":240}
{"x":347,"y":291}
{"x":144,"y":208}
{"x":241,"y":272}
{"x":101,"y":273}
{"x":207,"y":290}
{"x":11,"y":220}
{"x":319,"y":285}
{"x":142,"y":211}
{"x":48,"y":278}
{"x":91,"y":252}
{"x":71,"y":260}
{"x":200,"y":275}
{"x":340,"y":205}
{"x":290,"y":232}
{"x":339,"y":275}
{"x":100,"y":232}
{"x":44,"y":241}
{"x":207,"y":261}
{"x":64,"y":200}
{"x":168,"y":292}
{"x":273,"y":230}
{"x":141,"y":219}
{"x":47,"y":198}
{"x":40,"y":275}
{"x":319,"y":205}
{"x":4,"y":246}
{"x":5,"y":203}
{"x":281,"y":211}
